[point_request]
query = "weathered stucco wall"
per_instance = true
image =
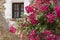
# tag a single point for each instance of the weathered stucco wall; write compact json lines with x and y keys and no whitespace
{"x":8,"y":6}
{"x":3,"y":22}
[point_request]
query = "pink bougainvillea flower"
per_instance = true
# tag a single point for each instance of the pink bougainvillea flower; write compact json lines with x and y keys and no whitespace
{"x":57,"y":11}
{"x":47,"y":32}
{"x":58,"y":38}
{"x":24,"y":24}
{"x":57,"y":8}
{"x":43,"y":1}
{"x":32,"y":35}
{"x":46,"y":1}
{"x":29,"y":9}
{"x":36,"y":5}
{"x":48,"y":38}
{"x":50,"y":17}
{"x":33,"y":21}
{"x":36,"y":38}
{"x":12,"y":29}
{"x":32,"y":32}
{"x":33,"y":38}
{"x":32,"y":16}
{"x":51,"y":37}
{"x":43,"y":8}
{"x":47,"y":35}
{"x":55,"y":1}
{"x":38,"y":0}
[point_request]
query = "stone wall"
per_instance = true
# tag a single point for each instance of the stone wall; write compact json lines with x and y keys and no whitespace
{"x":2,"y":6}
{"x":3,"y":22}
{"x":4,"y":32}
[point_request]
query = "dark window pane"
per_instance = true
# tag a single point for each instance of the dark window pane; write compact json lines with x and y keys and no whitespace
{"x":17,"y":10}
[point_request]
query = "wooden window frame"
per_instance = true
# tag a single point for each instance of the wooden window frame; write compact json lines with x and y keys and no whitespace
{"x":19,"y":9}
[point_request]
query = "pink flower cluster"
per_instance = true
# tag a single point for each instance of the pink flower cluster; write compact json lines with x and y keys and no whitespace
{"x":29,"y":9}
{"x":38,"y":1}
{"x":12,"y":29}
{"x":43,"y":1}
{"x":58,"y":38}
{"x":32,"y":19}
{"x":48,"y":1}
{"x":47,"y":32}
{"x":50,"y":17}
{"x":57,"y":11}
{"x":48,"y":35}
{"x":43,"y":8}
{"x":24,"y":24}
{"x":32,"y":35}
{"x":37,"y":4}
{"x":32,"y":15}
{"x":55,"y":1}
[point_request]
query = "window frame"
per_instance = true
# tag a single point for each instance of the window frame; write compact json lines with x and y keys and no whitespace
{"x":19,"y":9}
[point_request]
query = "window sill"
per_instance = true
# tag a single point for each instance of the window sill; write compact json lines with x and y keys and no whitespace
{"x":13,"y":19}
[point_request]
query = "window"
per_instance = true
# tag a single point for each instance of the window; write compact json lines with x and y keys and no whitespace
{"x":17,"y":10}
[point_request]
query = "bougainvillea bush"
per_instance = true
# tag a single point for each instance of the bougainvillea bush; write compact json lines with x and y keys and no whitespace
{"x":42,"y":21}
